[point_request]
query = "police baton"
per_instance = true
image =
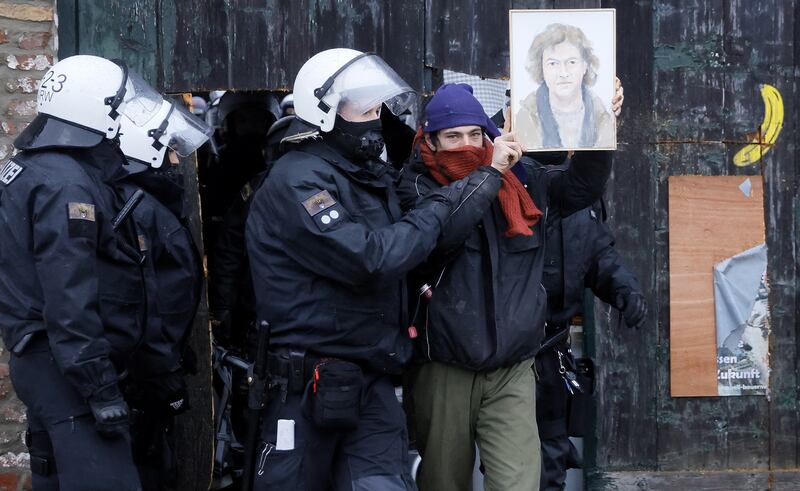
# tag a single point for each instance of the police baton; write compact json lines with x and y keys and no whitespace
{"x":127,"y":209}
{"x":256,"y":402}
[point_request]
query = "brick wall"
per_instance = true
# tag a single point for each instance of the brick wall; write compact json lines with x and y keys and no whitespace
{"x":27,"y":49}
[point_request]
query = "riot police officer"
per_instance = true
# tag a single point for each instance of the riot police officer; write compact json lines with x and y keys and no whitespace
{"x":580,"y":254}
{"x":329,"y":248}
{"x":173,"y":277}
{"x":71,"y":286}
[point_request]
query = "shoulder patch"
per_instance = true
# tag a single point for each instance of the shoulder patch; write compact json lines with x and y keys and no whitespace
{"x":332,"y":217}
{"x":318,"y":203}
{"x":80,"y":211}
{"x":10,"y":171}
{"x":81,"y":220}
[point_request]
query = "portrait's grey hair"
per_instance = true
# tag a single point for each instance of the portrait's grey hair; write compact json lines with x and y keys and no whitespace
{"x":556,"y":34}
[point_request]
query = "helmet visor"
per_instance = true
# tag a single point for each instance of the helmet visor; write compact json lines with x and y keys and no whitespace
{"x":141,"y":102}
{"x":369,"y":82}
{"x":186,"y":132}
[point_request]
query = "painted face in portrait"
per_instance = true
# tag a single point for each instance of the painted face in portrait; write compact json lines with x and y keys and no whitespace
{"x":563,"y":69}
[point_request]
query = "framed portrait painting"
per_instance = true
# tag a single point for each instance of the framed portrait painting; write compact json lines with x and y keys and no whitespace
{"x":563,"y":64}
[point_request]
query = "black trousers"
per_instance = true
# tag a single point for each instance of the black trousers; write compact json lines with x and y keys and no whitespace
{"x":373,"y":456}
{"x":552,"y":416}
{"x":67,"y":452}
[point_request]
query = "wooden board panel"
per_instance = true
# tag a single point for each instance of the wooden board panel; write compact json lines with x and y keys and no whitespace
{"x":453,"y":26}
{"x":782,"y":203}
{"x":708,"y":481}
{"x":710,"y":219}
{"x":699,"y":137}
{"x":194,"y":430}
{"x":196,"y":42}
{"x":699,"y":433}
{"x":626,"y":360}
{"x":120,"y":29}
{"x":261,"y":44}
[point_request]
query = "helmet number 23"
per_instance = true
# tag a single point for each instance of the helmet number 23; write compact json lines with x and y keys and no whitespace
{"x":56,"y":84}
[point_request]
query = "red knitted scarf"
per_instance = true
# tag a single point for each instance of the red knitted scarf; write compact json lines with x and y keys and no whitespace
{"x":447,"y":166}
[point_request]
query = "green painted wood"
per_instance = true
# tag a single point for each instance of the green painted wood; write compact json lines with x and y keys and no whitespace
{"x":124,"y":29}
{"x":67,"y":11}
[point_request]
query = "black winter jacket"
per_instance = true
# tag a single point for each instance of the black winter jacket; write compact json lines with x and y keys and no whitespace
{"x":488,"y":306}
{"x":329,"y":250}
{"x":231,"y":288}
{"x":63,"y":269}
{"x":173,"y":279}
{"x":580,"y":255}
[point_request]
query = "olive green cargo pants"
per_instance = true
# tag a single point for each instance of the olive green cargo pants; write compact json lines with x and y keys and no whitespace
{"x":456,"y":408}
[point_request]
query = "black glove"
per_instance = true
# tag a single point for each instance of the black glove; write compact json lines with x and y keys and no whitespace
{"x":110,"y":411}
{"x":634,"y":309}
{"x":169,"y":390}
{"x":178,"y":401}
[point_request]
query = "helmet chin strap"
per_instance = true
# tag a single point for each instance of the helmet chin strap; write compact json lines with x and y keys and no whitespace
{"x":116,"y":100}
{"x":157,"y":133}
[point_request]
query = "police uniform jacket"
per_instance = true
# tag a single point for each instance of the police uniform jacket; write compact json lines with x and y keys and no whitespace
{"x":173,"y":278}
{"x":63,"y":269}
{"x":488,"y":306}
{"x":580,"y":255}
{"x":329,"y":250}
{"x":232,"y":288}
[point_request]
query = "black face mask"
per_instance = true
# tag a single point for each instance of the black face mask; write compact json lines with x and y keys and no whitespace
{"x":357,"y":141}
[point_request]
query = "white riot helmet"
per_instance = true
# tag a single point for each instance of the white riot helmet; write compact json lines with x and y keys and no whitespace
{"x":287,"y":103}
{"x":81,"y":100}
{"x":338,"y":76}
{"x":171,"y":127}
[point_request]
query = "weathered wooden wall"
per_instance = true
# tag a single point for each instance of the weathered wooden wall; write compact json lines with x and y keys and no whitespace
{"x":691,"y":70}
{"x":184,"y":45}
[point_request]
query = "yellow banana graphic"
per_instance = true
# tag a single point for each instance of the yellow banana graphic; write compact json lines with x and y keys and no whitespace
{"x":767,"y":133}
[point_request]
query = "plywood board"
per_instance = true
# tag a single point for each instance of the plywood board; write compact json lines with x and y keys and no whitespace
{"x":710,"y":218}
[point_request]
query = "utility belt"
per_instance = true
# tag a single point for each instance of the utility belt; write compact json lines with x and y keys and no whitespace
{"x":291,"y":369}
{"x":332,"y":388}
{"x":555,"y":334}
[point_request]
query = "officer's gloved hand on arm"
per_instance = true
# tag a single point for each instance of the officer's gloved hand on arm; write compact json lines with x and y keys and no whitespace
{"x":634,"y":309}
{"x":110,"y":411}
{"x":170,"y":392}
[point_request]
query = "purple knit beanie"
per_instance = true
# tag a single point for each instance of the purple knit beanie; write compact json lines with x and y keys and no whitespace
{"x":454,"y":105}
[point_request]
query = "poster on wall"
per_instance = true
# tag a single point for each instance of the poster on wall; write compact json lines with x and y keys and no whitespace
{"x":563,"y":65}
{"x":742,"y":320}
